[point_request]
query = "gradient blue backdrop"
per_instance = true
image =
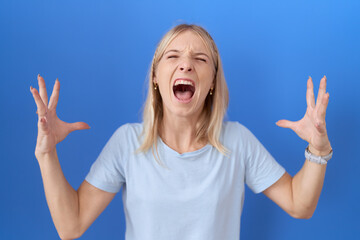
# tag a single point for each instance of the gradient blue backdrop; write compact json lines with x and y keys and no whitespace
{"x":101,"y":52}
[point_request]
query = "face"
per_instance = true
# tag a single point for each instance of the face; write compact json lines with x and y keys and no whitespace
{"x":185,"y":75}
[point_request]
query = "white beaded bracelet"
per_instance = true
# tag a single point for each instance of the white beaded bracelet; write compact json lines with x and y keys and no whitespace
{"x":317,"y":159}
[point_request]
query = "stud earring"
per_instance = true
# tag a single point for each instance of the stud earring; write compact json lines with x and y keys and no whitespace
{"x":155,"y":86}
{"x":211,"y":91}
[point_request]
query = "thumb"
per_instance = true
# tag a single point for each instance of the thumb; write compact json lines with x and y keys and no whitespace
{"x":78,"y":126}
{"x":285,"y":124}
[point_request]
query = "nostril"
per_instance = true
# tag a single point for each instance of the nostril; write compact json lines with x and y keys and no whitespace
{"x":182,"y":69}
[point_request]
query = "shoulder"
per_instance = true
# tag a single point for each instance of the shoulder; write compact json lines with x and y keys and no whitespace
{"x":236,"y":134}
{"x":129,"y":133}
{"x":129,"y":128}
{"x":234,"y":129}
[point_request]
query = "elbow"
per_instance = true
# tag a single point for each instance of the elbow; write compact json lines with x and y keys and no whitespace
{"x":69,"y":235}
{"x":302,"y":214}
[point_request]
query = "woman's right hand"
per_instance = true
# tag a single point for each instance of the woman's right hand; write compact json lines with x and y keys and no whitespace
{"x":51,"y":130}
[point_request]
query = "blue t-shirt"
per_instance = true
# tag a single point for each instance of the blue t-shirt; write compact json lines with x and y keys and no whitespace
{"x":198,"y":196}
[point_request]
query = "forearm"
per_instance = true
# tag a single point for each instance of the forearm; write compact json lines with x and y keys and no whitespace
{"x":306,"y":188}
{"x":302,"y":192}
{"x":61,"y":197}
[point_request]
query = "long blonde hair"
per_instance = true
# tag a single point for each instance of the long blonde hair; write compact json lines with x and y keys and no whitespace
{"x":211,"y":118}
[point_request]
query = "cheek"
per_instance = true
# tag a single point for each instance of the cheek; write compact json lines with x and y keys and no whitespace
{"x":163,"y":72}
{"x":163,"y":81}
{"x":208,"y":79}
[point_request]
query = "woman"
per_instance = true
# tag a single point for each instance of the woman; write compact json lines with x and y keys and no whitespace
{"x":183,"y":169}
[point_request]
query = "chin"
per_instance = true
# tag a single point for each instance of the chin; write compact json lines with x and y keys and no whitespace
{"x":184,"y":110}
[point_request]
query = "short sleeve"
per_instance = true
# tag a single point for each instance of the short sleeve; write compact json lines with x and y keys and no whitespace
{"x":107,"y":172}
{"x":261,"y":169}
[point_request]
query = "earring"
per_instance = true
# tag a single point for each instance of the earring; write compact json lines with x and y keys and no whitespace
{"x":211,"y":91}
{"x":155,"y":86}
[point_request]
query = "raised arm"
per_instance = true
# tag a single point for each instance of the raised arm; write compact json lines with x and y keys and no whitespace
{"x":299,"y":195}
{"x":72,"y":211}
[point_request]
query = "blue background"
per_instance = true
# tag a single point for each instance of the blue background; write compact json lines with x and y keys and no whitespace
{"x":101,"y":52}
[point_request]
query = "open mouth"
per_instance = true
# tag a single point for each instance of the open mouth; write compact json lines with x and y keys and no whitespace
{"x":183,"y":90}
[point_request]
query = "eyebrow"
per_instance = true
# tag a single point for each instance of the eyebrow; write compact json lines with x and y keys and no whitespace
{"x":196,"y":54}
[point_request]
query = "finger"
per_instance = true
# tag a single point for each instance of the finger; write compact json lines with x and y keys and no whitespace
{"x":55,"y":95}
{"x":322,"y":90}
{"x":310,"y":99}
{"x":285,"y":124}
{"x":323,"y":106}
{"x":78,"y":126}
{"x":42,"y":90}
{"x":39,"y":103}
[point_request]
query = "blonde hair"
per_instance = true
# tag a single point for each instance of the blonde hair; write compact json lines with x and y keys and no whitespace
{"x":209,"y":125}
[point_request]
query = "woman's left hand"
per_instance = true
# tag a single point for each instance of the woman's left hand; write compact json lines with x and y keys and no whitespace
{"x":312,"y":127}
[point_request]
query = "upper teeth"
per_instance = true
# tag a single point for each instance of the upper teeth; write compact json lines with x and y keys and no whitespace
{"x":184,"y":82}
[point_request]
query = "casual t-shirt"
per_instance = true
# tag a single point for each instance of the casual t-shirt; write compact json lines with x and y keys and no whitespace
{"x":198,"y":196}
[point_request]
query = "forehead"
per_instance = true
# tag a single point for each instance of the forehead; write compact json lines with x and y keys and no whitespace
{"x":188,"y":40}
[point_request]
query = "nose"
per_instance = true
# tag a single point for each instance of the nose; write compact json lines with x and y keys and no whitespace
{"x":186,"y":66}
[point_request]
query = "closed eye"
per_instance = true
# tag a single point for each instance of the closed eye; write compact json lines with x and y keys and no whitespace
{"x":201,"y":59}
{"x":172,"y":56}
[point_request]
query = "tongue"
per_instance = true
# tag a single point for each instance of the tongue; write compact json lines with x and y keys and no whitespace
{"x":183,"y":95}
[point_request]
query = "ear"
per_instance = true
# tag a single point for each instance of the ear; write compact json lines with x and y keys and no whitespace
{"x":213,"y":82}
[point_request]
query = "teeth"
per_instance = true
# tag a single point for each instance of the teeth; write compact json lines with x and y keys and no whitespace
{"x":183,"y":82}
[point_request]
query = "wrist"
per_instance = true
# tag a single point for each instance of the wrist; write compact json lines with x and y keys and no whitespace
{"x":43,"y":156}
{"x":319,"y":159}
{"x":323,"y":152}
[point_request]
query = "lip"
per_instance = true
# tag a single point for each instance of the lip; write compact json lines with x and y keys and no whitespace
{"x":187,"y":79}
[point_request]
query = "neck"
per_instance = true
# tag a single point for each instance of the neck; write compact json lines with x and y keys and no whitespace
{"x":179,"y":133}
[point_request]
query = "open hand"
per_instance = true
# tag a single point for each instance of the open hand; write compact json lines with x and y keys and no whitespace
{"x":51,"y":130}
{"x":312,"y":127}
